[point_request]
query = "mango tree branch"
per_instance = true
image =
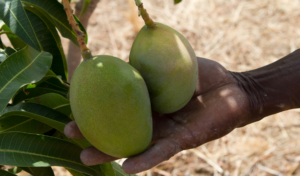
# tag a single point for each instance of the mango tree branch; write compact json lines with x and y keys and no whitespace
{"x":86,"y":54}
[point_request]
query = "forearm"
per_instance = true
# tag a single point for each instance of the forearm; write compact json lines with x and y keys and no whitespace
{"x":273,"y":88}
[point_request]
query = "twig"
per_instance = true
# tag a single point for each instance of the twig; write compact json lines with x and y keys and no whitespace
{"x":86,"y":54}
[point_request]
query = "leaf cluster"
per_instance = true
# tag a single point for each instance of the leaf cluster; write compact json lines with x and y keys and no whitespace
{"x":34,"y":105}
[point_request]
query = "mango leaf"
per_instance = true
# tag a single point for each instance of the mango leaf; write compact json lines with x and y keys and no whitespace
{"x":14,"y":16}
{"x":9,"y":51}
{"x":50,"y":74}
{"x":177,"y":1}
{"x":52,"y":81}
{"x":14,"y":39}
{"x":43,"y":171}
{"x":108,"y":169}
{"x":4,"y":53}
{"x":55,"y":83}
{"x":1,"y":24}
{"x":15,"y":170}
{"x":56,"y":14}
{"x":85,"y":7}
{"x":31,"y":150}
{"x":54,"y":101}
{"x":5,"y":173}
{"x":81,"y":27}
{"x":34,"y":118}
{"x":118,"y":169}
{"x":21,"y":68}
{"x":60,"y":104}
{"x":1,"y":44}
{"x":21,"y":121}
{"x":25,"y":112}
{"x":27,"y":94}
{"x":49,"y":40}
{"x":75,"y":173}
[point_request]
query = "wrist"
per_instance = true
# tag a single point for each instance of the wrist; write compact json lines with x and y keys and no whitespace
{"x":273,"y":88}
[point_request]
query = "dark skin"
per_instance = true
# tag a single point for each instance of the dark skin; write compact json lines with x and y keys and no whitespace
{"x":221,"y":103}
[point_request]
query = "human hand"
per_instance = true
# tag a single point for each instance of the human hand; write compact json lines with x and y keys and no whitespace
{"x":217,"y":107}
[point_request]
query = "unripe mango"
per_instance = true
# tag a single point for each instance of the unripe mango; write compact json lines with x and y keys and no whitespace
{"x":168,"y":65}
{"x":111,"y":106}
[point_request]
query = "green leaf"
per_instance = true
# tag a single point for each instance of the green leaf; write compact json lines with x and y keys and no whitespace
{"x":49,"y":83}
{"x":9,"y":51}
{"x":14,"y":16}
{"x":31,"y":150}
{"x":85,"y":7}
{"x":51,"y":120}
{"x":39,"y":171}
{"x":5,"y":173}
{"x":50,"y":74}
{"x":26,"y":112}
{"x":34,"y":118}
{"x":118,"y":169}
{"x":1,"y":24}
{"x":15,"y":170}
{"x":4,"y":53}
{"x":177,"y":1}
{"x":1,"y":44}
{"x":49,"y":40}
{"x":53,"y":81}
{"x":21,"y":68}
{"x":75,"y":173}
{"x":27,"y":94}
{"x":21,"y":121}
{"x":14,"y":39}
{"x":81,"y":27}
{"x":56,"y":14}
{"x":107,"y":169}
{"x":54,"y":101}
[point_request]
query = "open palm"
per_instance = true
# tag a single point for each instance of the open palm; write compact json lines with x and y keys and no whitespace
{"x":217,"y":107}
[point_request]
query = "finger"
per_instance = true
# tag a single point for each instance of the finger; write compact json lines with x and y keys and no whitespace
{"x":92,"y":156}
{"x":162,"y":150}
{"x":72,"y":131}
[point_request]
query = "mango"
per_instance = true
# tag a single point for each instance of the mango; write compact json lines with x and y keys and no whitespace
{"x":111,"y":106}
{"x":168,"y":65}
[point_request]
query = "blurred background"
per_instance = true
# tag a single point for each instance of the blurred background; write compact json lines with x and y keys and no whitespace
{"x":241,"y":35}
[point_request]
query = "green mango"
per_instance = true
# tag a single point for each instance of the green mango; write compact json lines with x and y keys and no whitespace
{"x":168,"y":65}
{"x":111,"y":106}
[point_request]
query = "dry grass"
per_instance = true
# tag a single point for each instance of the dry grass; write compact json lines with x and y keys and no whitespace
{"x":241,"y":35}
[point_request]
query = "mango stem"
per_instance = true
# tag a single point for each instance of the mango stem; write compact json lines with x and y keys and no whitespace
{"x":138,"y":2}
{"x":142,"y":12}
{"x":85,"y":52}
